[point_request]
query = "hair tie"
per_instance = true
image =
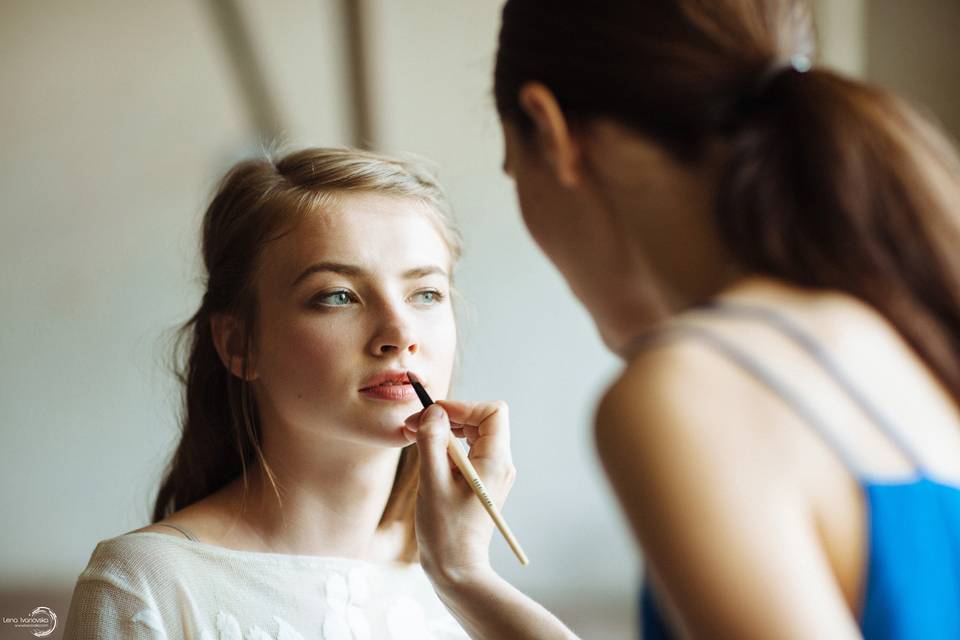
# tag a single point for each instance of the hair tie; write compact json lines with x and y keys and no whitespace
{"x":799,"y":63}
{"x":748,"y":102}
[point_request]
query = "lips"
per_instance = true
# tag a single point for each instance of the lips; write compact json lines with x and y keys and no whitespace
{"x":389,"y":385}
{"x":386,"y":378}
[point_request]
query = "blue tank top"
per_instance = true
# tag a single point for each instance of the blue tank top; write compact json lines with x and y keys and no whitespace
{"x":912,"y":581}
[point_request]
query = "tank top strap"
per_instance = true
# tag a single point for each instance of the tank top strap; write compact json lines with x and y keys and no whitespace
{"x":179,"y":528}
{"x":760,"y":372}
{"x":788,"y":328}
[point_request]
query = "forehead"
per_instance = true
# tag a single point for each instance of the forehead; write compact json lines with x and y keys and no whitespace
{"x":382,"y":234}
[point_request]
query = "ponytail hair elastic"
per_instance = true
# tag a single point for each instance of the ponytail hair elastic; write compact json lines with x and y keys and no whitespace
{"x":797,"y":63}
{"x":751,"y":100}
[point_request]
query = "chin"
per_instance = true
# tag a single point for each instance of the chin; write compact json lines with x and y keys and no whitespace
{"x":396,"y":439}
{"x":388,"y":429}
{"x":383,"y":421}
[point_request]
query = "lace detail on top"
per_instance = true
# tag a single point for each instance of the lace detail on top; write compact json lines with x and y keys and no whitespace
{"x":152,"y":585}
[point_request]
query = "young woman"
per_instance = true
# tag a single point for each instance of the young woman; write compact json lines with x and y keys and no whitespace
{"x":773,"y":249}
{"x":287,"y":511}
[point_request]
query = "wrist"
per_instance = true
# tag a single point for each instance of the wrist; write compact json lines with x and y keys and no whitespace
{"x":461,"y":579}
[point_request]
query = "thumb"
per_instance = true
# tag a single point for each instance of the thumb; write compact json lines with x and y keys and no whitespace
{"x":432,"y":439}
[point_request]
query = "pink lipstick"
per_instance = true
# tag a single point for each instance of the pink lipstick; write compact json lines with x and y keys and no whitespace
{"x":393,"y":386}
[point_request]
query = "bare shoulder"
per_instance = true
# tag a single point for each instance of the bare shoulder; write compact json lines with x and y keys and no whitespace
{"x":204,"y":520}
{"x":678,"y":393}
{"x":159,"y":528}
{"x":696,"y":451}
{"x":683,"y":419}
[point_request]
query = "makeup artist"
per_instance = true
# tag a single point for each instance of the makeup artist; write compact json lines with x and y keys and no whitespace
{"x":772,"y":249}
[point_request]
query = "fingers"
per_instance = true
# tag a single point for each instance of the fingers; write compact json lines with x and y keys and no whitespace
{"x":469,"y":432}
{"x":432,"y":436}
{"x":412,"y":423}
{"x":488,"y":423}
{"x":477,"y":414}
{"x":485,"y":425}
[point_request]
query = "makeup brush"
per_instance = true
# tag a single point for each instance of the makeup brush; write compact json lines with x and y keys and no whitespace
{"x":470,"y":473}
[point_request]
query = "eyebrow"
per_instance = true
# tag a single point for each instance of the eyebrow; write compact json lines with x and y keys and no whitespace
{"x":355,"y":271}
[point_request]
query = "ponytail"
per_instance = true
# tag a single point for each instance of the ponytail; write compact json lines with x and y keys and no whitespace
{"x":834,"y":184}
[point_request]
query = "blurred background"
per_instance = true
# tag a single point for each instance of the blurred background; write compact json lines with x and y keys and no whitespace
{"x":117,"y":117}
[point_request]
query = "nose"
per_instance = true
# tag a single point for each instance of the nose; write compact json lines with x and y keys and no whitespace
{"x":393,"y":338}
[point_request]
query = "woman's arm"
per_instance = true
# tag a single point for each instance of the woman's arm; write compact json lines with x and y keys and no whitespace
{"x":488,"y":606}
{"x":689,"y":443}
{"x":453,"y":529}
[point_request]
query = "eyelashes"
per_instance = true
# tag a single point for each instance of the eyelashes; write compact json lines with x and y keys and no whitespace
{"x":342,"y":298}
{"x":345,"y":297}
{"x":435,"y":296}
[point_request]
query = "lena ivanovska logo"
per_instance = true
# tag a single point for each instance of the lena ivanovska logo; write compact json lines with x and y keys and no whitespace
{"x":41,"y":621}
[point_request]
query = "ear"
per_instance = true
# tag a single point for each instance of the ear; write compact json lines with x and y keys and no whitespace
{"x":560,"y":148}
{"x":228,"y":339}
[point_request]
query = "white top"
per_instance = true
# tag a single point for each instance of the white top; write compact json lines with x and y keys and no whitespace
{"x":153,"y":585}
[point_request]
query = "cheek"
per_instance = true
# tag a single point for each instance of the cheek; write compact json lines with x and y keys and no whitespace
{"x":300,"y":359}
{"x":439,"y":349}
{"x":541,"y":211}
{"x":442,"y":340}
{"x":529,"y":203}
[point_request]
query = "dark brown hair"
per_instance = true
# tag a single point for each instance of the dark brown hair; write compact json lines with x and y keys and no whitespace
{"x":830,"y":183}
{"x":256,"y":201}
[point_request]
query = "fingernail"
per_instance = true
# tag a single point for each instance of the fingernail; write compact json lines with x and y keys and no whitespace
{"x":433,"y":412}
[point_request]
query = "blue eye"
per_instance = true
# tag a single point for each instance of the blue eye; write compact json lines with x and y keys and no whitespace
{"x":339,"y":298}
{"x":429,"y":297}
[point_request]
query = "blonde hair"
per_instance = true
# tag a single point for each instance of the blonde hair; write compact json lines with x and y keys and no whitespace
{"x":256,"y":200}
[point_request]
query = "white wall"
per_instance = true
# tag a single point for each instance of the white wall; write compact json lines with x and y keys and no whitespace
{"x":840,"y":34}
{"x":114,"y":121}
{"x":913,"y":48}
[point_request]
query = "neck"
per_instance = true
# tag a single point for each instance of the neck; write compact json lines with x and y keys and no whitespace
{"x":663,"y":210}
{"x":333,"y":496}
